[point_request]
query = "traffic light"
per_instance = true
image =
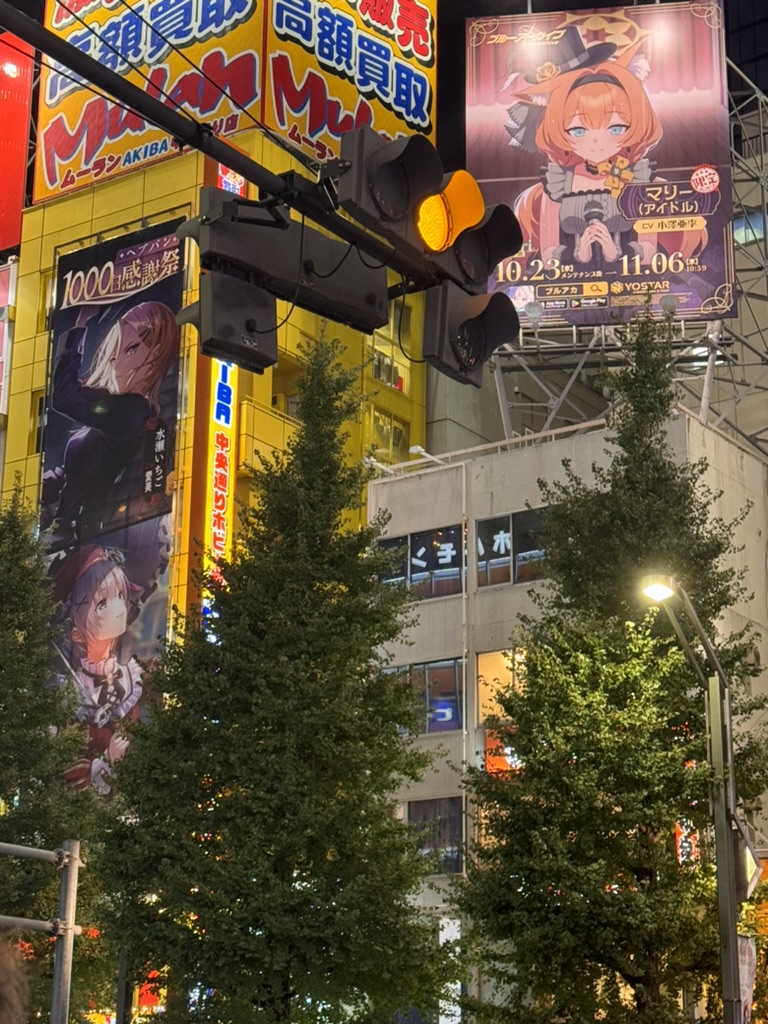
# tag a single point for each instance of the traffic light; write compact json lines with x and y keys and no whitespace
{"x":461,"y":331}
{"x":398,"y":189}
{"x":265,"y":255}
{"x":236,"y":321}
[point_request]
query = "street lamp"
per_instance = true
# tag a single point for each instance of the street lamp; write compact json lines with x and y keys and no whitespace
{"x":718,"y":703}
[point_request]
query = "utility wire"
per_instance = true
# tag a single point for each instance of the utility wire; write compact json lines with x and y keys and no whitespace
{"x":81,"y":82}
{"x":274,"y":136}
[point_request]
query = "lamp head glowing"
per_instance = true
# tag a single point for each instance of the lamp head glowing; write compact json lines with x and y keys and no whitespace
{"x":658,"y":588}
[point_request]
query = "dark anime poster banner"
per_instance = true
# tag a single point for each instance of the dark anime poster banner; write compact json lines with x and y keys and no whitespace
{"x":607,"y":131}
{"x":108,"y":477}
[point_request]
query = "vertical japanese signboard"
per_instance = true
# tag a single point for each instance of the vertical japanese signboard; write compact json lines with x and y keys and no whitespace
{"x":108,"y":477}
{"x":608,"y":132}
{"x":222,"y":433}
{"x":336,"y":66}
{"x":201,"y":56}
{"x":222,"y":461}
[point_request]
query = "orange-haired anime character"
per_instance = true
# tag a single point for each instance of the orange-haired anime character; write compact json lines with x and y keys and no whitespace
{"x":588,"y":111}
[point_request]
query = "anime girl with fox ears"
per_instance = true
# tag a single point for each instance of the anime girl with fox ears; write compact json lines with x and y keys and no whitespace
{"x":586,"y":109}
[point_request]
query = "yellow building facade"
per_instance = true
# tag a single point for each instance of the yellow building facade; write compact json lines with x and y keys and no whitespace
{"x":392,"y":381}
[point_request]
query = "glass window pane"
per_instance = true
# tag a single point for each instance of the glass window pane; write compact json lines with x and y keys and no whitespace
{"x":401,"y":440}
{"x":494,"y":557}
{"x":436,"y":562}
{"x":526,"y":543}
{"x":439,"y":828}
{"x":445,"y":694}
{"x":494,"y":673}
{"x":400,"y":572}
{"x":419,"y":682}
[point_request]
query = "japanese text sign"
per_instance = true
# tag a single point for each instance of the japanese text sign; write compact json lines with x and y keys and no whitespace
{"x":200,"y":55}
{"x":608,"y":132}
{"x":337,"y":66}
{"x":325,"y":68}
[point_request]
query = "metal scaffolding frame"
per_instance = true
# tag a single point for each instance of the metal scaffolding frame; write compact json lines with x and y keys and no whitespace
{"x":721,"y":366}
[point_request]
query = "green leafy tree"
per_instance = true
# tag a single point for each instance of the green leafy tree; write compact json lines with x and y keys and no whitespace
{"x":36,"y":807}
{"x":575,"y":891}
{"x":257,"y":855}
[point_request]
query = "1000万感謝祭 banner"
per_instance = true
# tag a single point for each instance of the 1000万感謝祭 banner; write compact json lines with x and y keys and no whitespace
{"x":607,"y":131}
{"x":108,"y":471}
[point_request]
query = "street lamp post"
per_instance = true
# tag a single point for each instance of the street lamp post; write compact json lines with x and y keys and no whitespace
{"x":718,"y":698}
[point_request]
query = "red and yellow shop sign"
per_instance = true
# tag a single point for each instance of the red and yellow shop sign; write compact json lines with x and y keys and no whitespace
{"x":335,"y":66}
{"x":307,"y":70}
{"x":200,"y":56}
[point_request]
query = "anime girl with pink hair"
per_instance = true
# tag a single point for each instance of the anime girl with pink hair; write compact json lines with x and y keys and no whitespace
{"x":587,"y":110}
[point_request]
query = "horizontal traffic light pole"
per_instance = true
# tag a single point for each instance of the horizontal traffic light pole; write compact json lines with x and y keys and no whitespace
{"x":297,"y":263}
{"x":301,"y":194}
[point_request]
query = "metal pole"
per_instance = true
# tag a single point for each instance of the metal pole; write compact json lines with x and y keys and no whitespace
{"x":724,"y":853}
{"x":62,"y":956}
{"x":31,"y":852}
{"x":723,"y":800}
{"x":725,"y":695}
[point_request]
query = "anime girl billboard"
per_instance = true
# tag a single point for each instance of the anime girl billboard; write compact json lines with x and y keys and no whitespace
{"x":608,"y":133}
{"x":108,"y":471}
{"x":113,"y":606}
{"x":109,"y":437}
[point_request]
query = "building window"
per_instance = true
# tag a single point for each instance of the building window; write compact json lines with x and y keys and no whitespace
{"x":390,"y":349}
{"x":748,"y":226}
{"x":432,"y":563}
{"x":439,"y":829}
{"x":391,"y":436}
{"x":37,"y":416}
{"x":440,"y":685}
{"x":496,"y":672}
{"x":509,"y":548}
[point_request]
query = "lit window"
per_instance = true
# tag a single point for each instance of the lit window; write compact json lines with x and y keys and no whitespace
{"x":390,"y":349}
{"x":440,"y":685}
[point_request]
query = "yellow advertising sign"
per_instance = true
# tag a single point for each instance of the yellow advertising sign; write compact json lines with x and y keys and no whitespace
{"x":222,"y":461}
{"x":330,"y":67}
{"x":307,"y":70}
{"x":202,"y":56}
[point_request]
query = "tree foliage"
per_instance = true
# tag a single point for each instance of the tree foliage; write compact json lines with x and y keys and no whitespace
{"x":575,"y":891}
{"x":36,"y":807}
{"x":257,"y":855}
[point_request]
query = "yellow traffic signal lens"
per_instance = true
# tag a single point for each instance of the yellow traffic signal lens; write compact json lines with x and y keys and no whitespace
{"x":441,"y":218}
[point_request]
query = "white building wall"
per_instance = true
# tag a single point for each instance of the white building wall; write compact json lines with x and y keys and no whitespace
{"x":476,"y":485}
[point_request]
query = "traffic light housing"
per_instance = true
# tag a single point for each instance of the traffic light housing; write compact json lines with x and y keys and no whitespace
{"x":462,"y":331}
{"x":440,"y":223}
{"x":266,"y":255}
{"x":399,"y":190}
{"x":236,"y":321}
